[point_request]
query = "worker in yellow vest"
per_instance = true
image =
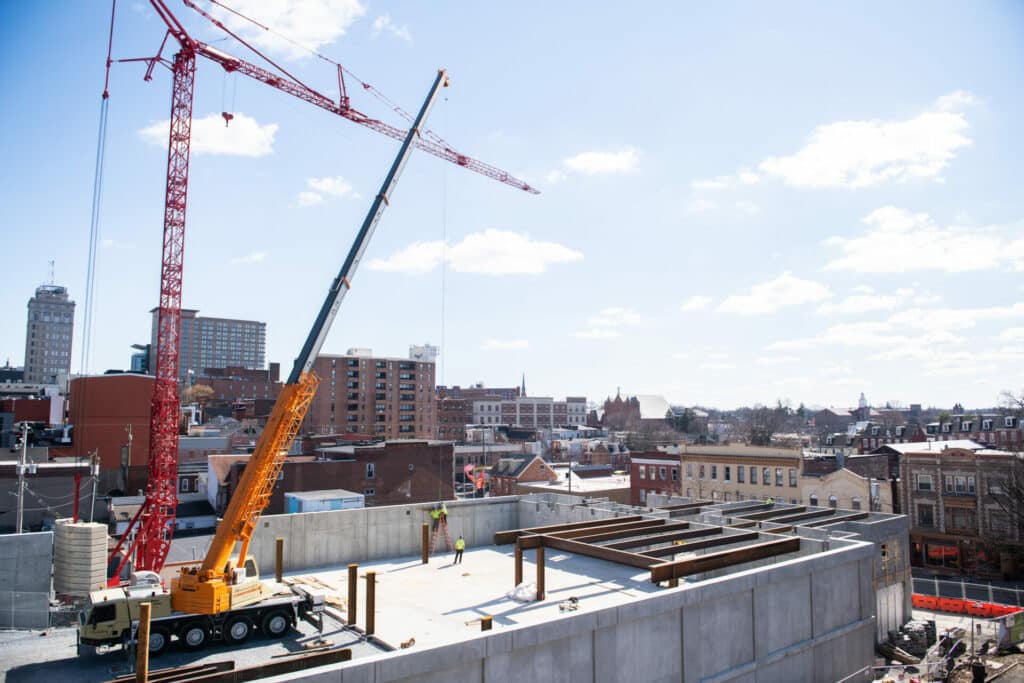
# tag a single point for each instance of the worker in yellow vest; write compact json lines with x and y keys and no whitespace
{"x":460,"y":545}
{"x":435,"y":515}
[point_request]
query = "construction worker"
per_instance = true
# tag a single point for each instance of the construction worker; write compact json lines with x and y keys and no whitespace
{"x":460,"y":545}
{"x":435,"y":515}
{"x":444,"y":513}
{"x":770,"y":500}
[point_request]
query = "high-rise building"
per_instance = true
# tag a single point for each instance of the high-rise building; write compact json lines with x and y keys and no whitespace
{"x":214,"y":343}
{"x":389,"y":398}
{"x":48,"y":336}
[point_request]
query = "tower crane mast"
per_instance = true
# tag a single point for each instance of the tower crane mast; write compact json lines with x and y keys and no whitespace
{"x":151,"y":529}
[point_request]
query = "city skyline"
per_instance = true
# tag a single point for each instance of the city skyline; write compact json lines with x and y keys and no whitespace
{"x":724,"y":220}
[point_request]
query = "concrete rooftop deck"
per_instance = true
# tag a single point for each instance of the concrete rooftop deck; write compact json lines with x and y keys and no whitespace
{"x":441,"y":603}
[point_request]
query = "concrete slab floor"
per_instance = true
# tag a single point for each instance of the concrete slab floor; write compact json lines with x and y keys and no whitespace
{"x":441,"y":602}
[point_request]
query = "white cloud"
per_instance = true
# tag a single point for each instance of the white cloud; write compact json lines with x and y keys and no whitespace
{"x":855,"y":154}
{"x":699,"y":205}
{"x":491,"y":252}
{"x":1011,"y":334}
{"x":245,"y":136}
{"x":114,"y":244}
{"x":505,"y":345}
{"x":748,"y":208}
{"x":777,"y":360}
{"x":748,"y":177}
{"x":680,"y":355}
{"x":719,"y":183}
{"x":715,"y":355}
{"x":624,"y":160}
{"x":384,"y":23}
{"x":251,"y":257}
{"x":597,"y":334}
{"x":335,"y":186}
{"x":309,"y":198}
{"x":898,"y":240}
{"x":309,"y":23}
{"x":865,"y":303}
{"x":716,"y":366}
{"x":768,"y":297}
{"x":695,"y":303}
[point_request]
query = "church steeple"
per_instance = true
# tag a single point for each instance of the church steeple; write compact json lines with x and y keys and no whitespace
{"x":523,"y":389}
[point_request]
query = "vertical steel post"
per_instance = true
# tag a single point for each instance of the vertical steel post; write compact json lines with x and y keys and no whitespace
{"x":371,"y":601}
{"x":21,"y":477}
{"x":142,"y":647}
{"x":540,"y":573}
{"x":353,"y":576}
{"x":425,"y":543}
{"x":279,"y":560}
{"x":486,"y":622}
{"x":519,"y":562}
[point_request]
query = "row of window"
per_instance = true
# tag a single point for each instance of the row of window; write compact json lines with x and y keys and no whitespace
{"x":955,"y":484}
{"x":655,"y":472}
{"x":741,"y":474}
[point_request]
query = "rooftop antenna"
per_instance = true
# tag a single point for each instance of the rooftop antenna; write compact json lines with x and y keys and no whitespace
{"x":51,"y":272}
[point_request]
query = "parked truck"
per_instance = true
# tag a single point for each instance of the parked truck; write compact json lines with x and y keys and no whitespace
{"x":109,"y":616}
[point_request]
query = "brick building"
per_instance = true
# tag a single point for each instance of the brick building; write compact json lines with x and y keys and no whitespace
{"x":653,"y":472}
{"x":389,"y":398}
{"x":101,"y":409}
{"x":730,"y":473}
{"x":509,"y":473}
{"x":238,"y":383}
{"x":388,"y":473}
{"x":453,"y":415}
{"x":957,"y":525}
{"x":213,"y":343}
{"x":48,"y":336}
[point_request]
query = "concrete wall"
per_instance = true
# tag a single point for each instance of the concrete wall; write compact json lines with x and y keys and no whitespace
{"x":26,"y":561}
{"x":784,"y":622}
{"x":338,"y":537}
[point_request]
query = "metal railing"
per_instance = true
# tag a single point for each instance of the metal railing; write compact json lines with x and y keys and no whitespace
{"x":969,"y":591}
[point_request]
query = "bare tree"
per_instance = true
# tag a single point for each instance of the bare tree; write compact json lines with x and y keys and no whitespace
{"x":764,"y":423}
{"x":1011,"y":489}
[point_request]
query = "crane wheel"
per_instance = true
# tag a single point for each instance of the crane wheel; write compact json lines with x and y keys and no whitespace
{"x":238,"y":629}
{"x":275,"y":624}
{"x":194,"y":635}
{"x":159,"y":639}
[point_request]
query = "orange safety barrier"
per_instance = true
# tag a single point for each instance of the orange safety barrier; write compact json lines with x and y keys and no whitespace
{"x":958,"y":606}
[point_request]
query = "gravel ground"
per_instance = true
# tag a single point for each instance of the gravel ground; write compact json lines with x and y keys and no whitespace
{"x":49,"y":656}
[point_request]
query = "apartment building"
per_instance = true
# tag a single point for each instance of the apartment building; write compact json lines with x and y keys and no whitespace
{"x":388,"y":398}
{"x":730,"y":473}
{"x":653,"y":472}
{"x":48,"y":336}
{"x":957,"y":524}
{"x":453,"y":414}
{"x":541,"y":411}
{"x":1005,"y":432}
{"x":213,"y":343}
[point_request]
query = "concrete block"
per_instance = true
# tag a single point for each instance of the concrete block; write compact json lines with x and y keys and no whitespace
{"x":832,"y":608}
{"x":453,"y":656}
{"x":792,"y":667}
{"x":782,"y":615}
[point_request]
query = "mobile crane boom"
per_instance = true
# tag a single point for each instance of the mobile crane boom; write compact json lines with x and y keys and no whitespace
{"x":217,"y":585}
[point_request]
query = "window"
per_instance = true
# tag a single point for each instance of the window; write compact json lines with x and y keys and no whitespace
{"x":924,"y":482}
{"x":675,"y":474}
{"x":369,"y":492}
{"x":947,"y":427}
{"x":855,"y":503}
{"x":371,"y":470}
{"x":925,"y":516}
{"x":689,"y":470}
{"x":813,"y":499}
{"x":714,"y":473}
{"x":184,"y":485}
{"x":642,"y":472}
{"x":1008,"y":421}
{"x":833,"y":502}
{"x":739,"y":474}
{"x":986,"y":425}
{"x":999,"y":523}
{"x":778,"y":476}
{"x":766,"y":476}
{"x":102,"y":613}
{"x":702,"y":471}
{"x":961,"y":518}
{"x":728,"y":473}
{"x":753,"y":475}
{"x":662,"y":473}
{"x":792,"y":478}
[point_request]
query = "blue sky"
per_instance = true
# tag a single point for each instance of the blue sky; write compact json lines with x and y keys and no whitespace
{"x":740,"y":201}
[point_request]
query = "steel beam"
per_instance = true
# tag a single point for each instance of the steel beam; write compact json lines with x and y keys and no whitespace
{"x":731,"y":512}
{"x":664,"y":571}
{"x":742,"y":525}
{"x":838,"y":518}
{"x":704,"y":543}
{"x":771,"y":513}
{"x":811,"y":514}
{"x":684,"y":506}
{"x":618,"y":531}
{"x":663,"y":538}
{"x":510,"y":535}
{"x":597,"y":552}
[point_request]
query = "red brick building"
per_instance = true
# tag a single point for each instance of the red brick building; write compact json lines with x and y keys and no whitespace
{"x":508,"y":473}
{"x":101,"y":409}
{"x":390,"y":398}
{"x":453,"y":414}
{"x":387,"y":473}
{"x":653,"y":472}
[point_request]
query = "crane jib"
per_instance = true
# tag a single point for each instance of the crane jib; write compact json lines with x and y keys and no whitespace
{"x":329,"y":309}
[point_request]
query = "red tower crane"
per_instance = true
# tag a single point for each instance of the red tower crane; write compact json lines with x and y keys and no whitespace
{"x":153,"y":524}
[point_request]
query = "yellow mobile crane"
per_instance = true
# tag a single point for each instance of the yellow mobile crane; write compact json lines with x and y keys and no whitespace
{"x":224,"y":597}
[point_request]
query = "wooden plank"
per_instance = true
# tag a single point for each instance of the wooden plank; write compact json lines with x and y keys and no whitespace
{"x":614,"y":531}
{"x":179,"y":673}
{"x":598,"y":552}
{"x":770,"y":513}
{"x":674,"y":549}
{"x":805,"y":515}
{"x":664,"y":538}
{"x":510,"y":535}
{"x":838,"y":518}
{"x":663,"y":571}
{"x":276,"y":668}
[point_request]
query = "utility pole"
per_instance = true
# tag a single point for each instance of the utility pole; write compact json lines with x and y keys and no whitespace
{"x":21,"y":476}
{"x":94,"y":470}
